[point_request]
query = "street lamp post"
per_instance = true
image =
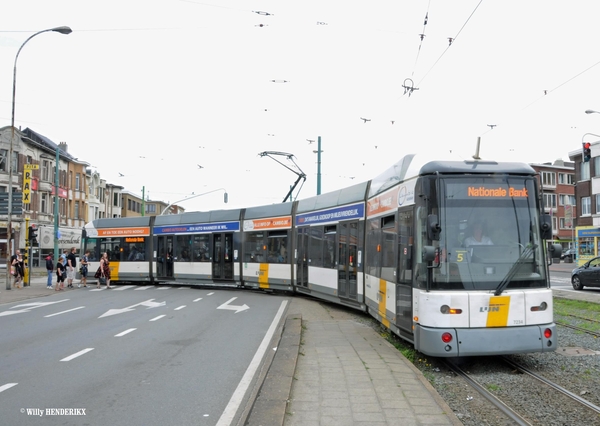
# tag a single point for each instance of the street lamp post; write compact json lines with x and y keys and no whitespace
{"x":62,"y":30}
{"x":225,"y":198}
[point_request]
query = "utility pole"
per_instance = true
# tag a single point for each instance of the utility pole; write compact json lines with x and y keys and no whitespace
{"x":318,"y":152}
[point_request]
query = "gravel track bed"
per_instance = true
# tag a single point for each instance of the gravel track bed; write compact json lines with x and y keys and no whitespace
{"x":533,"y":400}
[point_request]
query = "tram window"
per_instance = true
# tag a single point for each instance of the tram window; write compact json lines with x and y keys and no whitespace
{"x":315,"y":246}
{"x":200,"y":248}
{"x":254,"y":247}
{"x":277,"y":245}
{"x":183,"y":245}
{"x":111,"y":246}
{"x":329,"y":251}
{"x":92,"y":244}
{"x":134,"y":249}
{"x":372,"y":256}
{"x":388,"y":257}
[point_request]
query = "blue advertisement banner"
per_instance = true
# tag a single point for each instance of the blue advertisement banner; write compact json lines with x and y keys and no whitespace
{"x":198,"y":228}
{"x":353,"y":211}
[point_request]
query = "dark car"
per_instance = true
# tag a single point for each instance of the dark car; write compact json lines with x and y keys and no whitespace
{"x":587,"y":274}
{"x":568,"y":254}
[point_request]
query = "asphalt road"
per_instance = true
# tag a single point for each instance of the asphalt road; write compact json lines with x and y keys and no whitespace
{"x":136,"y":357}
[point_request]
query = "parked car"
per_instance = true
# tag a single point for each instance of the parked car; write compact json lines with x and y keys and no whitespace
{"x":570,"y":253}
{"x":587,"y":274}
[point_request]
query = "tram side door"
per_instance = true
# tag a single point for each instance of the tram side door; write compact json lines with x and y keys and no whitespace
{"x":222,"y":259}
{"x":347,"y":265}
{"x":404,"y":274}
{"x":302,"y":259}
{"x":164,"y":256}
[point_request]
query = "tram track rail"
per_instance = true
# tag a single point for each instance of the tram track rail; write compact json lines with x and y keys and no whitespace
{"x":507,"y":410}
{"x":496,"y":402}
{"x":551,"y":384}
{"x":574,"y":327}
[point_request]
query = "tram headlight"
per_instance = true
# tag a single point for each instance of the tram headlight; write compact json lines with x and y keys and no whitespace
{"x":543,"y":306}
{"x":445,"y":309}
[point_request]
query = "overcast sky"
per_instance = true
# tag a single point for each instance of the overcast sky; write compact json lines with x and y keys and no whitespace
{"x":153,"y":89}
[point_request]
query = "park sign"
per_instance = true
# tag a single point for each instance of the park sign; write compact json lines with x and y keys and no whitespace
{"x":27,"y":175}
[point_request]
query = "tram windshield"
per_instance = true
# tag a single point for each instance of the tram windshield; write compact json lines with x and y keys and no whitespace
{"x":490,"y":234}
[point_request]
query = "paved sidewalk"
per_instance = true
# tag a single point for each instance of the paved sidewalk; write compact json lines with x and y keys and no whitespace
{"x":37,"y":287}
{"x":344,"y":373}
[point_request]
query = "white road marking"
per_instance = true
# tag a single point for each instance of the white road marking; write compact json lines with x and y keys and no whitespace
{"x":179,"y":308}
{"x":236,"y":398}
{"x":7,"y":386}
{"x":123,"y":333}
{"x":148,"y":303}
{"x":124,"y":287}
{"x":236,"y":308}
{"x":164,"y":288}
{"x":70,"y":357}
{"x":146,"y":287}
{"x":210,"y":294}
{"x":64,"y":312}
{"x":197,"y":300}
{"x":158,"y":317}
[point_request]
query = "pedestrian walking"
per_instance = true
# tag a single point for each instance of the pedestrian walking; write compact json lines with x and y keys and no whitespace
{"x":103,"y":272}
{"x":17,"y":271}
{"x":49,"y":270}
{"x":71,"y":264}
{"x":61,"y":272}
{"x":84,"y":268}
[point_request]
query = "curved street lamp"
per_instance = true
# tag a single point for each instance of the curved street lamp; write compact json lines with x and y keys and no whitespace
{"x":591,"y":111}
{"x":62,"y":30}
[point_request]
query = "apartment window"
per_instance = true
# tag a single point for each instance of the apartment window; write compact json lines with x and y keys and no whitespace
{"x":550,"y":201}
{"x":597,"y":203}
{"x":45,"y":170}
{"x":586,"y":206}
{"x":150,"y":208}
{"x":566,"y":200}
{"x":585,"y":171}
{"x":77,"y":181}
{"x":549,"y":178}
{"x":76,"y":210}
{"x":564,"y":223}
{"x":116,"y":199}
{"x":44,"y":206}
{"x":3,"y":160}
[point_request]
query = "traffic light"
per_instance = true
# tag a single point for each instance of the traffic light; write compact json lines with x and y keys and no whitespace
{"x":33,"y":234}
{"x":587,"y":152}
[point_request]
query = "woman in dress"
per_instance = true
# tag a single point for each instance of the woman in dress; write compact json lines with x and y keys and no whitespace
{"x":104,"y":270}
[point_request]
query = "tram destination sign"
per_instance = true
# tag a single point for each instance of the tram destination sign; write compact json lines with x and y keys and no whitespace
{"x":17,"y":203}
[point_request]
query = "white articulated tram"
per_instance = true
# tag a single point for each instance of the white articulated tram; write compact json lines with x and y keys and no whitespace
{"x":406,"y":247}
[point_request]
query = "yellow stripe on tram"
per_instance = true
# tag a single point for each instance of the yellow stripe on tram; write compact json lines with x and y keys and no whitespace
{"x":263,"y":275}
{"x":382,"y":302}
{"x":498,"y":311}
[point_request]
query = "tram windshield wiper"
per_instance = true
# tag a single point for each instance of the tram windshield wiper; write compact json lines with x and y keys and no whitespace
{"x":513,"y":270}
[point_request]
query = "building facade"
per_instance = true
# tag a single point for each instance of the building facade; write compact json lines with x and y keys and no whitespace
{"x":587,"y":194}
{"x":558,"y":191}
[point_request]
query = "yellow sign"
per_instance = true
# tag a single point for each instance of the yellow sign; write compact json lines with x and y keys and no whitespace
{"x":27,"y":186}
{"x":31,"y":166}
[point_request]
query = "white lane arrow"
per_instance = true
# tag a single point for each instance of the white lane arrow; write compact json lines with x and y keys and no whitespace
{"x":235,"y":308}
{"x":28,"y":307}
{"x":148,"y":303}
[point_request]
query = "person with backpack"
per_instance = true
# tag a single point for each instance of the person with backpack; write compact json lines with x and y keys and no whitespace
{"x":49,"y":269}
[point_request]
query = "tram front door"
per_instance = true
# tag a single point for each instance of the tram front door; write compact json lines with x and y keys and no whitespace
{"x":164,"y":257}
{"x":222,"y":259}
{"x":347,"y":262}
{"x":302,"y":260}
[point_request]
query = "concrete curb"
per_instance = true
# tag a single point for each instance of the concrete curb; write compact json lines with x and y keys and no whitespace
{"x":270,"y":406}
